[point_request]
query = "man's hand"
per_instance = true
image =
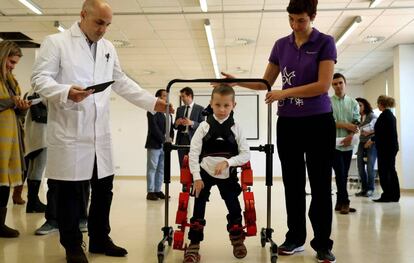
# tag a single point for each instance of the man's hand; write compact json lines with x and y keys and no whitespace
{"x":197,"y":187}
{"x":351,"y":127}
{"x":161,"y":106}
{"x":347,"y":141}
{"x":78,"y":94}
{"x":220,"y":167}
{"x":186,"y":122}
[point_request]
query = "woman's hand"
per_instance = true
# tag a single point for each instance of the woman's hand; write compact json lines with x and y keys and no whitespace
{"x":197,"y":187}
{"x":21,"y":104}
{"x":274,"y":95}
{"x":368,"y":144}
{"x":226,"y":76}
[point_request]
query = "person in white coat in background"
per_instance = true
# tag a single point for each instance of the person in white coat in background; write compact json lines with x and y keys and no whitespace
{"x":79,"y":142}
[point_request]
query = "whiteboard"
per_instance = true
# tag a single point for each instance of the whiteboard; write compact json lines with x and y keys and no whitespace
{"x":246,"y":112}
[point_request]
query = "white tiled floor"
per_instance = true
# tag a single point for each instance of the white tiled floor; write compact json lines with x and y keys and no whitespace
{"x":380,"y":233}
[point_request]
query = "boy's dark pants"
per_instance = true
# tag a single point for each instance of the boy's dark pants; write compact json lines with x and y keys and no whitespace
{"x":229,"y":190}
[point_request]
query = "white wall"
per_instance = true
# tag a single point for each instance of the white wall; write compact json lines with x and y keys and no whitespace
{"x":377,"y":86}
{"x":403,"y":94}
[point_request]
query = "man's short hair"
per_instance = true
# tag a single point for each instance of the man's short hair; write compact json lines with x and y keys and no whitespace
{"x":187,"y":91}
{"x":159,"y":92}
{"x":339,"y":75}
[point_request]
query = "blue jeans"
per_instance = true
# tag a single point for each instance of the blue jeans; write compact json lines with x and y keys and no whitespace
{"x":367,"y":174}
{"x":155,"y":170}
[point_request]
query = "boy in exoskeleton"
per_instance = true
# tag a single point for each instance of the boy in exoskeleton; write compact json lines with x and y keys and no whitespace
{"x":217,"y":148}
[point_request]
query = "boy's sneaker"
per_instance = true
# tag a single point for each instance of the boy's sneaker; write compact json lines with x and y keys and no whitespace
{"x":239,"y":249}
{"x":46,"y":229}
{"x":325,"y":256}
{"x":288,"y":248}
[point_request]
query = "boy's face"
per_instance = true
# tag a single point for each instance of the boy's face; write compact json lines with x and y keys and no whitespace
{"x":222,"y":105}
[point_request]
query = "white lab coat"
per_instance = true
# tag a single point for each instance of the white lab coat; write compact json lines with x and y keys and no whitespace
{"x":78,"y":131}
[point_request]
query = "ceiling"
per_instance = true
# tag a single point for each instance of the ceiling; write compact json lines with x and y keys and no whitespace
{"x":166,"y":38}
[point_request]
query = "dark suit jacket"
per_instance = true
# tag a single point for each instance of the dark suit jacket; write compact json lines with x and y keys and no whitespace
{"x":196,"y":116}
{"x":386,"y":138}
{"x":156,"y":130}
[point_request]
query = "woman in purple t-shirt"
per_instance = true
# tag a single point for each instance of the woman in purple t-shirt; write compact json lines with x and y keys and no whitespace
{"x":305,"y":126}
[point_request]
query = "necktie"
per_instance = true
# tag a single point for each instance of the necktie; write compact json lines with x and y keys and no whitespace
{"x":187,"y":109}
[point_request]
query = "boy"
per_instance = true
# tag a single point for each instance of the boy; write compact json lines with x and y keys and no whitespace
{"x":217,"y":147}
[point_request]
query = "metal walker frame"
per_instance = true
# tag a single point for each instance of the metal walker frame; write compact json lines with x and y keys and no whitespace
{"x":268,"y":149}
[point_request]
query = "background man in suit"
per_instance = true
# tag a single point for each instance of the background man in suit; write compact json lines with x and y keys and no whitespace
{"x":155,"y":153}
{"x":187,"y":120}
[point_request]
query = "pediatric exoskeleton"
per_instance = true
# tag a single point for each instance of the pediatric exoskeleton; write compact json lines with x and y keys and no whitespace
{"x":246,"y":178}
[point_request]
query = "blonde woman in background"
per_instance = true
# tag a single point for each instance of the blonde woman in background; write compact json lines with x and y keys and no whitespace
{"x":12,"y":109}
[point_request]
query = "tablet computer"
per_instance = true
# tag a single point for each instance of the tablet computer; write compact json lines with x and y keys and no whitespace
{"x":100,"y":87}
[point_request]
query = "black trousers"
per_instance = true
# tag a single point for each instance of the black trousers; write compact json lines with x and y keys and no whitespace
{"x":4,"y":195}
{"x":307,"y":143}
{"x":229,"y":191}
{"x":69,"y":209}
{"x":388,"y":176}
{"x":341,"y":164}
{"x":184,"y":140}
{"x":51,"y":213}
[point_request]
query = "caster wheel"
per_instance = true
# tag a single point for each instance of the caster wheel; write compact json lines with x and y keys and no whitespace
{"x":169,"y":241}
{"x":170,"y":236}
{"x":263,"y":237}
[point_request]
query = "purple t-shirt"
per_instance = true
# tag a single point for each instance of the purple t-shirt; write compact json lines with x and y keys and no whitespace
{"x":300,"y":67}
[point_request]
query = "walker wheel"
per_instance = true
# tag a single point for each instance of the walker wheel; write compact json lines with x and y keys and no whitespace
{"x":263,"y":237}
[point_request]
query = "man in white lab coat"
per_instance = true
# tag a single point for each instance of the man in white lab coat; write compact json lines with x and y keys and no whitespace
{"x":79,"y":141}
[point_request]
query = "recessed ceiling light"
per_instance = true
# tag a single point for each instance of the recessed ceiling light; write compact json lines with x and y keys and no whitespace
{"x":240,"y":70}
{"x":239,"y":42}
{"x":373,"y":39}
{"x":120,"y":43}
{"x":147,"y":72}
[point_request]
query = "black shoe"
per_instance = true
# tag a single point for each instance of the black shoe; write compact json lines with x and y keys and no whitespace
{"x":152,"y":196}
{"x":160,"y":195}
{"x":75,"y":255}
{"x":107,"y":247}
{"x":35,"y":206}
{"x":381,"y":200}
{"x":325,"y":256}
{"x":338,"y":207}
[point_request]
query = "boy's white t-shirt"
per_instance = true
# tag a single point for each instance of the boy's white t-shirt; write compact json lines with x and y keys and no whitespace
{"x":209,"y":163}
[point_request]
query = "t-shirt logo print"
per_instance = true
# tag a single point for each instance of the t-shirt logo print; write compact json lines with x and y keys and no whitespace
{"x":286,"y":77}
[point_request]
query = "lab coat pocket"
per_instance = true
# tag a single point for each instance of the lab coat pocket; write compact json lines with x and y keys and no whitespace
{"x":67,"y":131}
